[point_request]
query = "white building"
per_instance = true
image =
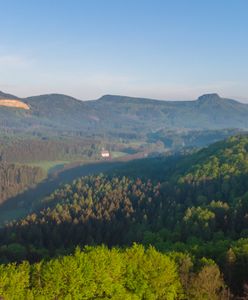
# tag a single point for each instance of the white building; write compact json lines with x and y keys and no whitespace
{"x":105,"y":154}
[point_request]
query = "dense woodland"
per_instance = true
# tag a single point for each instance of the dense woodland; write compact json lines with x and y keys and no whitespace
{"x":47,"y":149}
{"x":180,"y":138}
{"x":195,"y":204}
{"x":100,"y":273}
{"x":16,"y":178}
{"x":18,"y":156}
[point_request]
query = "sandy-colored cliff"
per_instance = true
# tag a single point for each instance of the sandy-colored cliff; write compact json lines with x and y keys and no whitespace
{"x":14,"y":103}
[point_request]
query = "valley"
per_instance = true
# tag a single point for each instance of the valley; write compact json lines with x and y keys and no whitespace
{"x":25,"y":202}
{"x":170,"y":194}
{"x":123,"y":150}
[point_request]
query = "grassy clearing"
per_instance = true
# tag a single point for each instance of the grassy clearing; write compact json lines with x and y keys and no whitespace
{"x":49,"y":166}
{"x":117,"y":154}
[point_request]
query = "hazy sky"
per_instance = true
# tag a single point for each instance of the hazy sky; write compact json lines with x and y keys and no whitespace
{"x":175,"y":49}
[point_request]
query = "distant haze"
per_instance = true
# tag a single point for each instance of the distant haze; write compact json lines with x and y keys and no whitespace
{"x":156,"y":49}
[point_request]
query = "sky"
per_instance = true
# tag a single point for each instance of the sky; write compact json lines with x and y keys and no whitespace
{"x":164,"y":49}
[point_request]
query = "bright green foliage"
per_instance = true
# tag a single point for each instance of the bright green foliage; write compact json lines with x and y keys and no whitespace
{"x":199,"y":221}
{"x":14,"y":281}
{"x":95,"y":273}
{"x":151,"y":275}
{"x":223,"y":159}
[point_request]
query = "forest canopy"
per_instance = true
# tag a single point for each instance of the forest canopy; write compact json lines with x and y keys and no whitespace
{"x":194,"y":204}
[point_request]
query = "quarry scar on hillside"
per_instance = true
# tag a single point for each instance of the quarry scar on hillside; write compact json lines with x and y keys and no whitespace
{"x":14,"y":103}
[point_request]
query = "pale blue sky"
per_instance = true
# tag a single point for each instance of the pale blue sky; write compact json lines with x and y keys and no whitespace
{"x":175,"y":49}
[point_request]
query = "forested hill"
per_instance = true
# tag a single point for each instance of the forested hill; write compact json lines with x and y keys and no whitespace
{"x":7,"y":96}
{"x":14,"y":179}
{"x":223,"y":159}
{"x":195,"y":204}
{"x":56,"y":113}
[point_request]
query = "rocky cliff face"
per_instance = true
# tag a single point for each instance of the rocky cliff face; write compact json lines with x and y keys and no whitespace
{"x":14,"y":103}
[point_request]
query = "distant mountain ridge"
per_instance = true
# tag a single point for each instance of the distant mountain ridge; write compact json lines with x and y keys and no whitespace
{"x":121,"y":114}
{"x":7,"y":96}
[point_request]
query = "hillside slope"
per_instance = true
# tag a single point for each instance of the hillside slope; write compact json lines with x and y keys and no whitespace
{"x":111,"y":208}
{"x":200,"y":206}
{"x":118,"y":115}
